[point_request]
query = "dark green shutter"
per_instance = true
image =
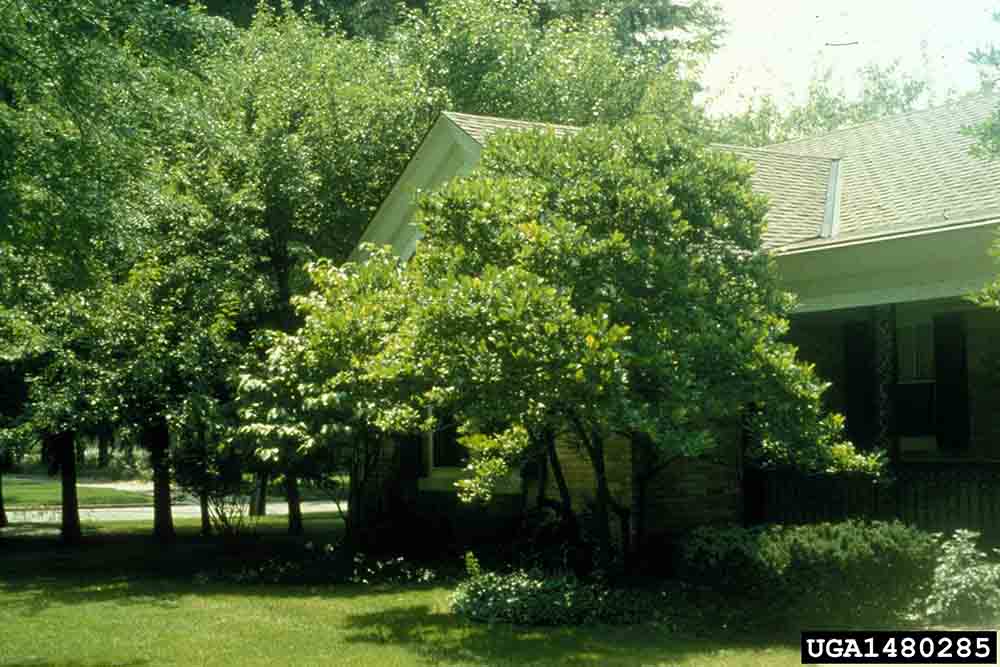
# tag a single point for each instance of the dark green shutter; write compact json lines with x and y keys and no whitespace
{"x":862,"y":403}
{"x":411,"y":456}
{"x":952,"y":382}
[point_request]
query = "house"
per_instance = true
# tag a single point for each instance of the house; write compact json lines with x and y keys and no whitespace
{"x":881,"y":230}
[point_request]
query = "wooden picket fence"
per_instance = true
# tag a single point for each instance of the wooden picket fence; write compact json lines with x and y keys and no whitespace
{"x":933,"y":496}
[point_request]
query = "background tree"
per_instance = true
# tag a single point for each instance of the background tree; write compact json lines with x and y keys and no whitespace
{"x":642,"y":24}
{"x":514,"y":59}
{"x":988,"y":60}
{"x":64,"y":393}
{"x":309,"y":129}
{"x":87,"y":88}
{"x":885,"y":91}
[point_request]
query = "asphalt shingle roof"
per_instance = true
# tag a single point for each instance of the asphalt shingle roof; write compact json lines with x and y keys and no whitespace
{"x":898,"y":174}
{"x":796,"y":187}
{"x":480,"y":127}
{"x":909,"y":172}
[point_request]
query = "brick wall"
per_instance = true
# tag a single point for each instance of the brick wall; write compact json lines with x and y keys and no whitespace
{"x":688,"y":493}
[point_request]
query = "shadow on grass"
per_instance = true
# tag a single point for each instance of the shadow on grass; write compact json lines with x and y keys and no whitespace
{"x":38,"y":572}
{"x":440,"y":637}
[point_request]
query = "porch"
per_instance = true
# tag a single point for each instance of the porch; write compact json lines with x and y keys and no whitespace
{"x":920,"y":380}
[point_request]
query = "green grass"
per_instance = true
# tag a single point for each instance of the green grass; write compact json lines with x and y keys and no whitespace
{"x":20,"y":493}
{"x":120,"y":599}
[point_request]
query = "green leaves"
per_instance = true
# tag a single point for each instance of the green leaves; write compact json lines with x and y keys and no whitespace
{"x":662,"y":310}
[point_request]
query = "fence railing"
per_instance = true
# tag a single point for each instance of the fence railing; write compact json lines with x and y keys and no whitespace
{"x":935,"y":496}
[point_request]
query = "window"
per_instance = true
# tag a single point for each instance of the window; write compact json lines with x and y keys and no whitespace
{"x":442,"y":452}
{"x":915,"y":390}
{"x":915,"y":349}
{"x":448,"y":453}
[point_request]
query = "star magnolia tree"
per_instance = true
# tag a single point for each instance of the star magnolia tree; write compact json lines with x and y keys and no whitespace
{"x":611,"y":283}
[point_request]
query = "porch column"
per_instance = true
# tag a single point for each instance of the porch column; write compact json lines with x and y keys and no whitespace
{"x":884,"y":327}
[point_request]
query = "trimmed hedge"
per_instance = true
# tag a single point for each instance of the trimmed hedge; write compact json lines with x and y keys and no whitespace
{"x":828,"y":573}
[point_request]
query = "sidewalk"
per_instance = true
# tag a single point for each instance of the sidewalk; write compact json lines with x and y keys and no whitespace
{"x":186,"y":510}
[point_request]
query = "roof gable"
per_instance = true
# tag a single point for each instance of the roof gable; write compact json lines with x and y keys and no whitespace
{"x":884,"y":179}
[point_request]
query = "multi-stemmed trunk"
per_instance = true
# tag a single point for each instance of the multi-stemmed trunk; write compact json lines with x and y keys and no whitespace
{"x":294,"y":505}
{"x":642,"y":473}
{"x":62,"y":448}
{"x":364,"y":462}
{"x":156,"y":439}
{"x":593,"y":444}
{"x":565,"y":499}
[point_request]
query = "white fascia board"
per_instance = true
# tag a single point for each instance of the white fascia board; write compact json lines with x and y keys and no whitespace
{"x":446,"y":152}
{"x":950,"y":263}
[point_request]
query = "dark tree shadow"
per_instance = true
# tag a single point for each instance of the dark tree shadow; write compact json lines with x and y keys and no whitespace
{"x":440,"y":637}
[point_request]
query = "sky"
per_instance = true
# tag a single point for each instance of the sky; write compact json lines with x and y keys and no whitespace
{"x":774,"y":46}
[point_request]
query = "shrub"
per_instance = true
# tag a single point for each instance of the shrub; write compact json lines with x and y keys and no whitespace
{"x":828,"y":572}
{"x":966,"y":583}
{"x":531,"y":598}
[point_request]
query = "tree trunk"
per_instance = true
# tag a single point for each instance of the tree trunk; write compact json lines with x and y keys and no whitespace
{"x":602,"y":504}
{"x":258,"y":503}
{"x":156,"y":438}
{"x":355,"y":517}
{"x":63,"y":449}
{"x":294,"y":505}
{"x":81,"y":453}
{"x":104,"y":441}
{"x":206,"y":519}
{"x":3,"y":509}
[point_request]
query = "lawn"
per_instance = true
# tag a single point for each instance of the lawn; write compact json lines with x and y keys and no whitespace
{"x":20,"y":493}
{"x":119,"y":599}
